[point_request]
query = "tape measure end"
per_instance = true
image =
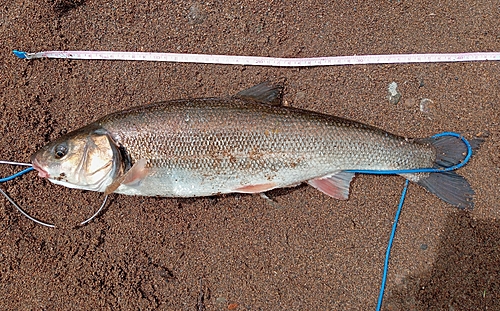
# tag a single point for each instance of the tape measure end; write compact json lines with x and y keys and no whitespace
{"x":20,"y":54}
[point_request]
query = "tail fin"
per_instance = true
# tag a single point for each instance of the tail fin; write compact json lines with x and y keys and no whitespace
{"x":450,"y":186}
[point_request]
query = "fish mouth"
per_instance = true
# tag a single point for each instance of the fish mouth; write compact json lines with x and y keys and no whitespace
{"x":41,"y":172}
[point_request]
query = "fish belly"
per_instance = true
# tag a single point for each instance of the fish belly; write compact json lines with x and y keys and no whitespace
{"x":178,"y":182}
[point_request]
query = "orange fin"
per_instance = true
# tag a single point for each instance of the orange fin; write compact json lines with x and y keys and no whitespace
{"x":256,"y":188}
{"x":134,"y":175}
{"x":336,"y":186}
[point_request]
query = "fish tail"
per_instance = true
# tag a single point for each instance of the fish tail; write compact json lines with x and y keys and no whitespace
{"x":450,"y":186}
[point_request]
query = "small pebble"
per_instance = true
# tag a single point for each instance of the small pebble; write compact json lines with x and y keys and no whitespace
{"x":394,"y":96}
{"x":410,"y":103}
{"x":427,"y":106}
{"x":195,"y":15}
{"x":424,"y":247}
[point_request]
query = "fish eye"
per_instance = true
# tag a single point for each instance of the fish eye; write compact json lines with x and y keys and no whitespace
{"x":60,"y":150}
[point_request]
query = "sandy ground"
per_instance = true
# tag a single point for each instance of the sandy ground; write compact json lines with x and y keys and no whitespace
{"x":238,"y":252}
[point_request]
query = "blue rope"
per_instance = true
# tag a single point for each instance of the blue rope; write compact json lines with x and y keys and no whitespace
{"x":9,"y":178}
{"x":389,"y":246}
{"x":402,"y":199}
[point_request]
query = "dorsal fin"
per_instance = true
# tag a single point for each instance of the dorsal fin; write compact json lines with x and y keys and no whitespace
{"x":265,"y":92}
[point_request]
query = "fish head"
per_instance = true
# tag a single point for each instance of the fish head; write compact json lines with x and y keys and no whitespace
{"x":84,"y":159}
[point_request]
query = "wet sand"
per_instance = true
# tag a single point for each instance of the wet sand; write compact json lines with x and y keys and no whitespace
{"x":238,"y":252}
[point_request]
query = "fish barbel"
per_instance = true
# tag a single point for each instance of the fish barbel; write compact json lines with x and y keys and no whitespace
{"x":244,"y":143}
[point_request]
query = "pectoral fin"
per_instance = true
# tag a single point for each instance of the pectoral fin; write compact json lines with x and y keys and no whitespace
{"x":134,"y":175}
{"x":336,"y":186}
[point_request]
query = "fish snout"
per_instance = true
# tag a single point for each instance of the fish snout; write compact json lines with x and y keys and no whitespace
{"x":37,"y":166}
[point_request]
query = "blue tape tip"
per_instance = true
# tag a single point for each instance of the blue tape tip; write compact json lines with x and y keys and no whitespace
{"x":20,"y":54}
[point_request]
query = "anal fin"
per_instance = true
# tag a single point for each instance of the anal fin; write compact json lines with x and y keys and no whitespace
{"x":335,"y":186}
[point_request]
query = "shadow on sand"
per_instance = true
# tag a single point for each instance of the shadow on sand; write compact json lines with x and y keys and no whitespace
{"x":466,"y":274}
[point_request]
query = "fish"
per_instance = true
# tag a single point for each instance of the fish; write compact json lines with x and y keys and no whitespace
{"x":245,"y":143}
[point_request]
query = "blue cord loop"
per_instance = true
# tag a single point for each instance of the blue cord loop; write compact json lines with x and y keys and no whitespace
{"x":426,"y":170}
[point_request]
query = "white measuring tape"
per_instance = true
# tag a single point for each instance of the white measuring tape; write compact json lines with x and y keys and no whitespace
{"x":266,"y":61}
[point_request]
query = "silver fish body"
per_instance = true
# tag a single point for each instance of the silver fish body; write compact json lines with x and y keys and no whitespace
{"x":209,"y":146}
{"x":203,"y":147}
